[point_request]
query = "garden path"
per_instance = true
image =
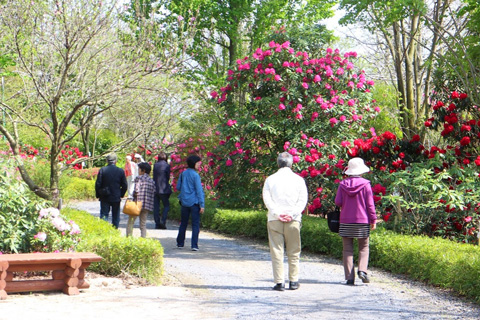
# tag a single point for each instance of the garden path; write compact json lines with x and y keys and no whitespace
{"x":232,"y":279}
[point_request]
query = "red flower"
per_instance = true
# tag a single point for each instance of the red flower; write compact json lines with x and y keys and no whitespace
{"x":428,"y":123}
{"x":389,"y":136}
{"x":465,"y":141}
{"x":455,"y":95}
{"x":463,"y":96}
{"x":415,"y":138}
{"x":386,"y":216}
{"x":465,"y":128}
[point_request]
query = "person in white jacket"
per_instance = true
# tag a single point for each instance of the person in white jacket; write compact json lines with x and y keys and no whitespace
{"x":285,"y":195}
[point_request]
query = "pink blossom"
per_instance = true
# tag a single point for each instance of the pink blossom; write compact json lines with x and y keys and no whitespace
{"x":377,"y":109}
{"x":214,"y":94}
{"x":277,"y":77}
{"x":41,"y":236}
{"x":285,"y":64}
{"x":281,"y":106}
{"x":296,"y":159}
{"x":286,"y":145}
{"x":343,"y":118}
{"x":305,"y":85}
{"x":293,"y":151}
{"x":317,"y":78}
{"x":231,"y":122}
{"x":351,"y":102}
{"x":229,"y":163}
{"x":340,"y":71}
{"x":345,"y":144}
{"x":333,"y":121}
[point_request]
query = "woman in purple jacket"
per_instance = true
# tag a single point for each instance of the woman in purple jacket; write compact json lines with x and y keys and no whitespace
{"x":357,"y":218}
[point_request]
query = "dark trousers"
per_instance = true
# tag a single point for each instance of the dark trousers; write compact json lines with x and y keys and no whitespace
{"x":165,"y":198}
{"x":363,"y":253}
{"x":186,"y":212}
{"x":105,"y":207}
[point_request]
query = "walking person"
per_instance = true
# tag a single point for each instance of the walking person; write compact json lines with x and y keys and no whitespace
{"x":110,"y":187}
{"x":130,"y":168}
{"x":285,"y":195}
{"x":192,"y":200}
{"x":357,"y":218}
{"x":163,"y":190}
{"x":144,"y":192}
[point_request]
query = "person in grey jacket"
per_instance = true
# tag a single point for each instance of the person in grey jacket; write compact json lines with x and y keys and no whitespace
{"x":110,"y":186}
{"x":163,"y":190}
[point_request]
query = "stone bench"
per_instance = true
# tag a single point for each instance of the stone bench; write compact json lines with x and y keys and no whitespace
{"x":68,"y":271}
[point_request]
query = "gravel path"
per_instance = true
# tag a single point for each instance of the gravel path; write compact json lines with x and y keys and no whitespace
{"x":232,"y":279}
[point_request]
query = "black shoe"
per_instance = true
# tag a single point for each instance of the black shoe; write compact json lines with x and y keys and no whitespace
{"x":162,"y":226}
{"x":294,"y":285}
{"x":157,"y":226}
{"x":279,"y":287}
{"x":364,"y":276}
{"x":179,"y":246}
{"x":350,"y":282}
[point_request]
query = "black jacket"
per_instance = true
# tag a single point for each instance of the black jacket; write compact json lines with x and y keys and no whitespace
{"x":161,"y":176}
{"x":112,"y":177}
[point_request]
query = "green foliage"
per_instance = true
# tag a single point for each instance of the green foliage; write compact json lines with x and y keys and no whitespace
{"x":135,"y":256}
{"x":78,"y":189}
{"x":386,"y":97}
{"x":422,"y":202}
{"x":436,"y":261}
{"x":19,"y":209}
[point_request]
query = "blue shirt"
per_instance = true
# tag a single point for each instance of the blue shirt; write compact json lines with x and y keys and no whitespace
{"x":190,"y":187}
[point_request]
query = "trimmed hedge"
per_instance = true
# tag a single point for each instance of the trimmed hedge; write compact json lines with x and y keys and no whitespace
{"x":435,"y":261}
{"x":136,"y":256}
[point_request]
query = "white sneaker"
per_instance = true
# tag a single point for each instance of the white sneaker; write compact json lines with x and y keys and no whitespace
{"x":195,"y":249}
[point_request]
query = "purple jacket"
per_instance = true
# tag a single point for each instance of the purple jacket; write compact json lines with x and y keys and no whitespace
{"x":355,"y":197}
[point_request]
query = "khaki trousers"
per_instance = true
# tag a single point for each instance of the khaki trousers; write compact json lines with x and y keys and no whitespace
{"x":143,"y":223}
{"x":281,"y":235}
{"x":363,"y":253}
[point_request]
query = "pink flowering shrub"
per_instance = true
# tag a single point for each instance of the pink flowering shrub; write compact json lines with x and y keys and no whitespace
{"x":283,"y":100}
{"x":54,"y":232}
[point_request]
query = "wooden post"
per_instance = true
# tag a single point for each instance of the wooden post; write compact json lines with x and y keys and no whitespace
{"x":3,"y":281}
{"x":71,"y":277}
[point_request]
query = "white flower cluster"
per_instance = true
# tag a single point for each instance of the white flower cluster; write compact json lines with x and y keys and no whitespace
{"x":53,"y":214}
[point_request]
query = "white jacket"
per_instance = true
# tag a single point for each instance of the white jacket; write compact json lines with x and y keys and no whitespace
{"x":285,"y":192}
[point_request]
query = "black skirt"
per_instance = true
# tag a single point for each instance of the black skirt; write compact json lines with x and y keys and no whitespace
{"x":354,"y":230}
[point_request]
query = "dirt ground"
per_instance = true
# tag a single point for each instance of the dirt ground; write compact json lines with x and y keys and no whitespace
{"x":232,"y":279}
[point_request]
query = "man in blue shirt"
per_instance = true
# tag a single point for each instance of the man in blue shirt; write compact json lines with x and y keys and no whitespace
{"x":192,"y":200}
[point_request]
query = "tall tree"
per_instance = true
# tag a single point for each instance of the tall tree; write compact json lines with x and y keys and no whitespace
{"x":402,"y":29}
{"x":77,"y":60}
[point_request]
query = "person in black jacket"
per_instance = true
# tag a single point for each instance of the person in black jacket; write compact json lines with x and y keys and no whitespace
{"x":163,"y":190}
{"x":110,"y":187}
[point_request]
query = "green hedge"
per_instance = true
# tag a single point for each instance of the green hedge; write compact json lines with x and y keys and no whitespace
{"x":433,"y":260}
{"x":78,"y":189}
{"x":136,"y":256}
